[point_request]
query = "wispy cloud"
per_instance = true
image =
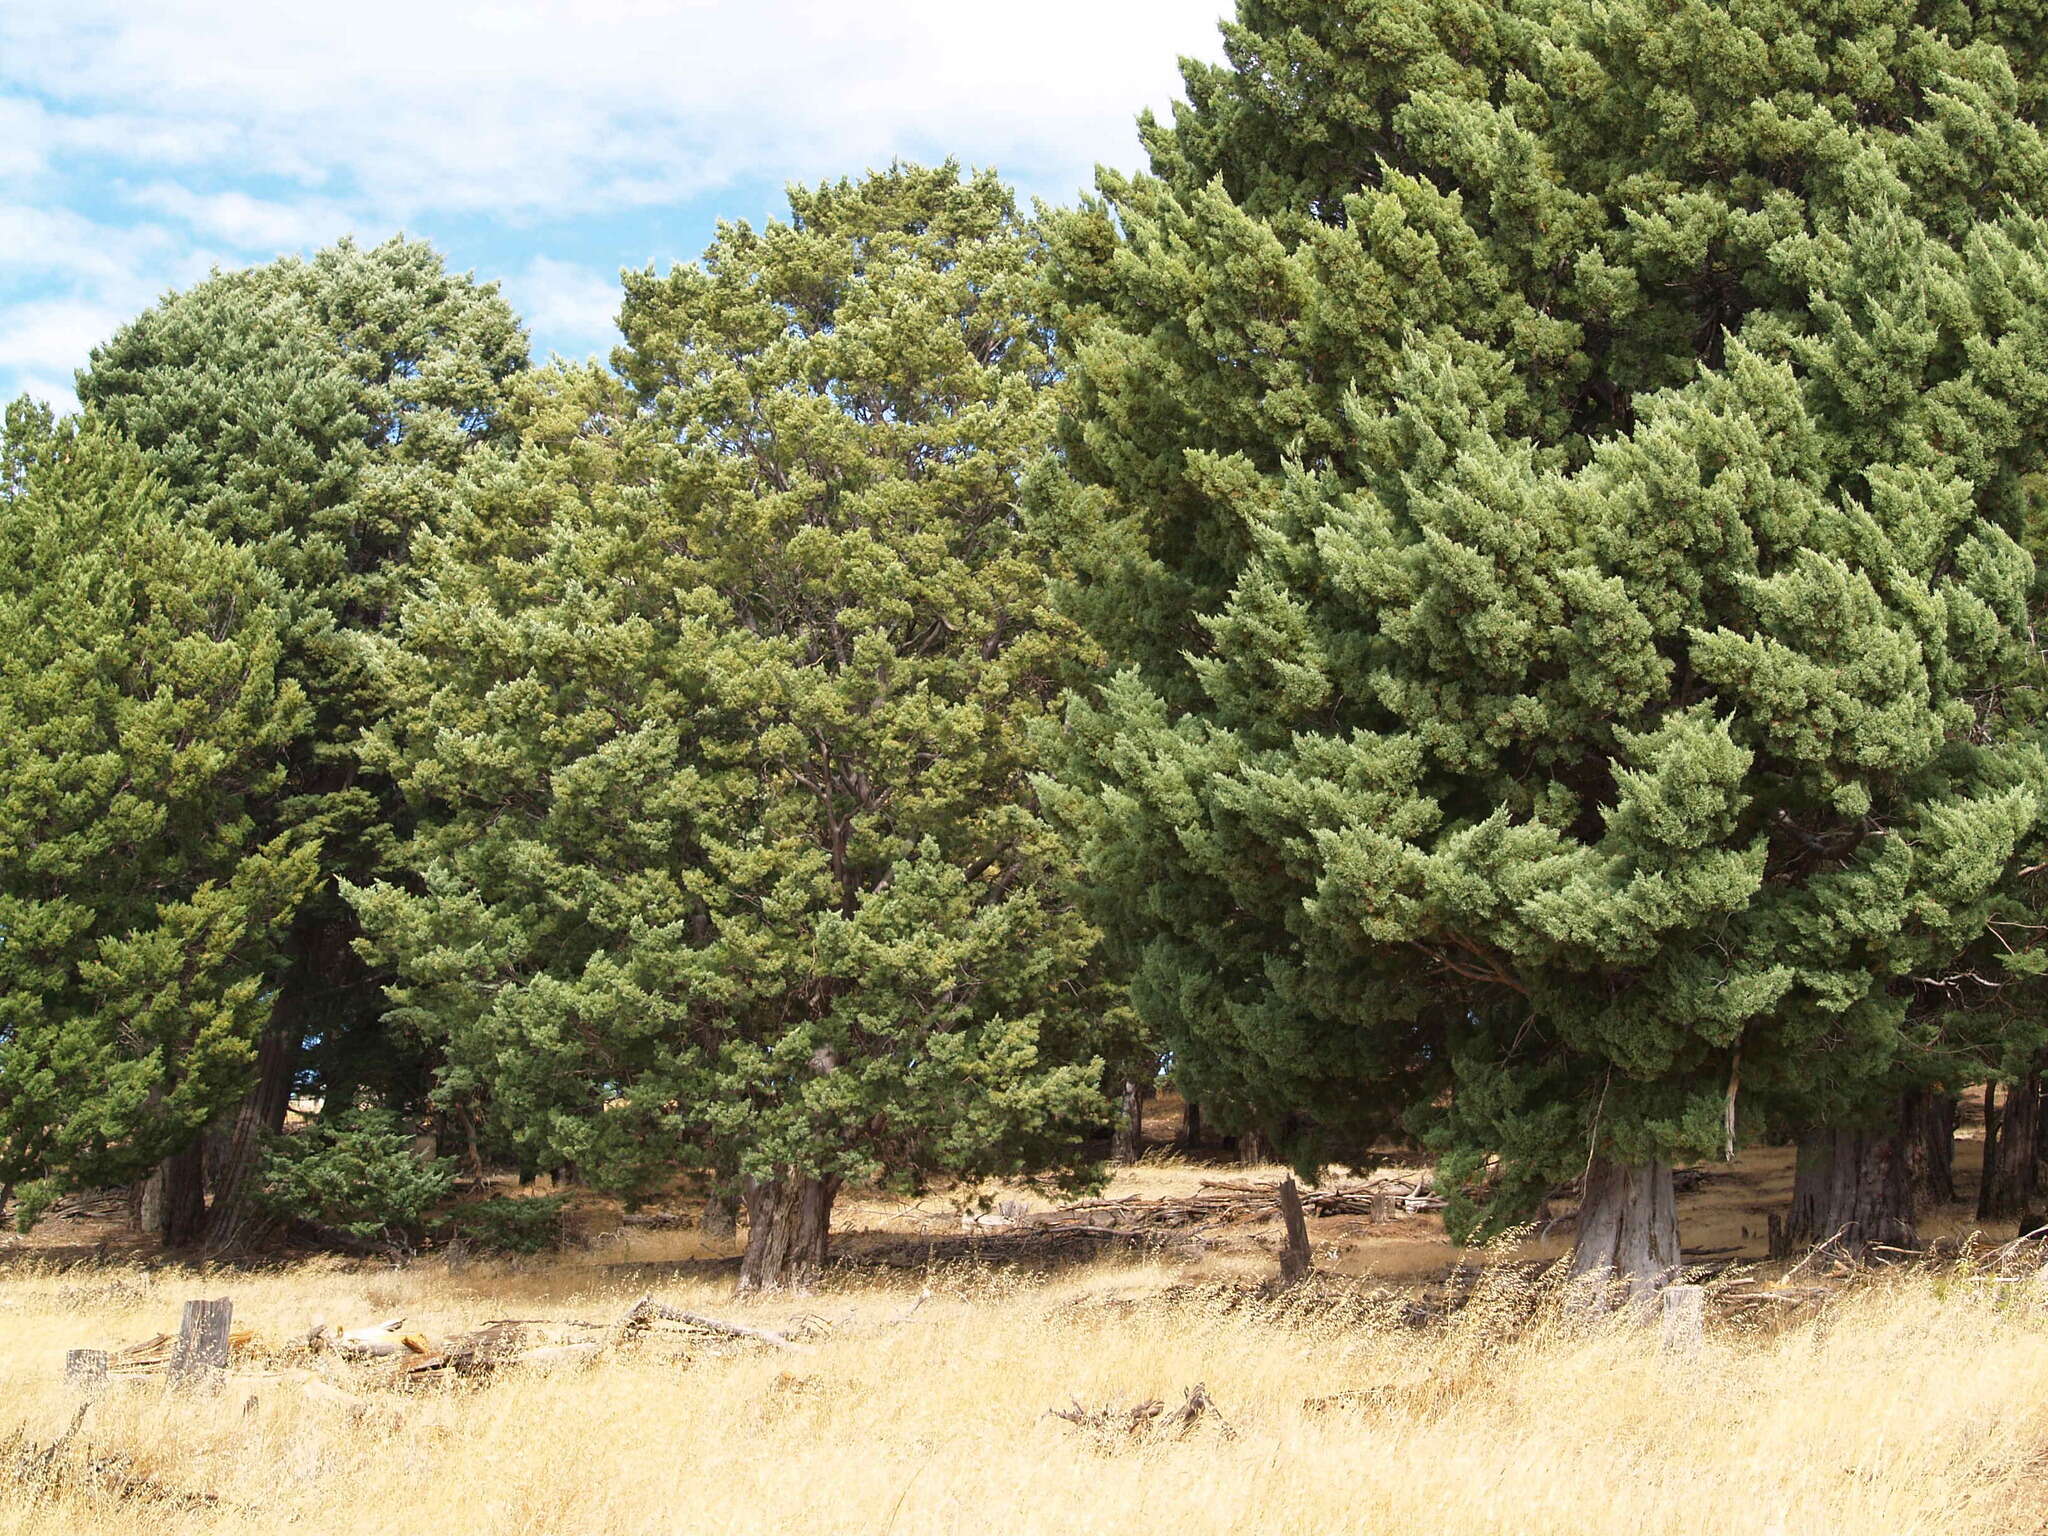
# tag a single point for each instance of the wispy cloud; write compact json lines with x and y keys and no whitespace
{"x":577,"y":306}
{"x":237,"y":128}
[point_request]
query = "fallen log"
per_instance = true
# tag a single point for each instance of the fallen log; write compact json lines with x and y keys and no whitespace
{"x":647,"y":1310}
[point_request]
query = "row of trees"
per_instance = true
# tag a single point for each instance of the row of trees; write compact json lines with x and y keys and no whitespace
{"x":1488,"y":598}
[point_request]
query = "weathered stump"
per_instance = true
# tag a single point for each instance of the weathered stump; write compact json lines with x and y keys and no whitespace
{"x":201,"y":1354}
{"x":1295,"y":1257}
{"x":1685,"y":1318}
{"x":85,"y":1370}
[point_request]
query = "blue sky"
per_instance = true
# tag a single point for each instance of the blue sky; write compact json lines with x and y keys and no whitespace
{"x":547,"y":143}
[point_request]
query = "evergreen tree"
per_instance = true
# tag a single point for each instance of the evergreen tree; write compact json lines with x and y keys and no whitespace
{"x":1559,"y":469}
{"x":143,"y":724}
{"x":718,"y":709}
{"x":316,"y":413}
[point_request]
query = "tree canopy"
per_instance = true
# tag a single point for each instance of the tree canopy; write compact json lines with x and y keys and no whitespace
{"x":717,"y":713}
{"x":143,"y":721}
{"x":1567,"y":466}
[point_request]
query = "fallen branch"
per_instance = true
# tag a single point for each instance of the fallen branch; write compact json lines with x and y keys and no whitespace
{"x":647,"y":1310}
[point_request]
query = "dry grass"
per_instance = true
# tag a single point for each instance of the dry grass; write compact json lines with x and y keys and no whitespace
{"x":1909,"y":1404}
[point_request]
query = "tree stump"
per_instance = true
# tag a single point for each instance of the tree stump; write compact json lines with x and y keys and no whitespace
{"x":1295,"y":1257}
{"x":201,"y":1353}
{"x":1685,"y":1318}
{"x":85,"y":1370}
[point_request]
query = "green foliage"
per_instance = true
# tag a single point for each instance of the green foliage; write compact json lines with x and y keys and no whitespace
{"x":356,"y":1173}
{"x":504,"y":1224}
{"x":316,"y":413}
{"x":143,"y":720}
{"x":717,"y":713}
{"x":1553,"y":475}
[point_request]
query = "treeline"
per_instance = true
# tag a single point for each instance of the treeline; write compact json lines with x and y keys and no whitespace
{"x":1490,"y":599}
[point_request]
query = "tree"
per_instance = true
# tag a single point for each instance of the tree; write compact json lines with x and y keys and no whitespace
{"x":143,"y":723}
{"x":315,"y":413}
{"x":717,"y":716}
{"x":1560,"y":470}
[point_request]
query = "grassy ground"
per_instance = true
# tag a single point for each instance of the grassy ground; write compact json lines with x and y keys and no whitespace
{"x":1910,"y":1401}
{"x":1913,"y":1403}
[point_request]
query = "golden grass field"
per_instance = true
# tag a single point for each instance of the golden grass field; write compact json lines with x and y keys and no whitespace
{"x":1909,"y":1401}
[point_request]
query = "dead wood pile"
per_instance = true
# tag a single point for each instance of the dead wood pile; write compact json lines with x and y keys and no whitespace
{"x":207,"y":1355}
{"x":1148,"y":1419}
{"x":1224,"y":1203}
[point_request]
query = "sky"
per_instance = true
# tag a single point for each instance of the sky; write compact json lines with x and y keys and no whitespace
{"x":545,"y":143}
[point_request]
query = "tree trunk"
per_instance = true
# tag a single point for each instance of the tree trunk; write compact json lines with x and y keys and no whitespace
{"x":1296,"y":1256}
{"x":181,"y":1196}
{"x":721,"y":1215}
{"x":1255,"y":1148}
{"x":2012,"y":1164}
{"x":1628,"y":1226}
{"x":1927,"y":1124}
{"x":1190,"y":1126}
{"x":1849,"y":1188}
{"x":260,"y":1116}
{"x":1128,"y":1145}
{"x":789,"y":1222}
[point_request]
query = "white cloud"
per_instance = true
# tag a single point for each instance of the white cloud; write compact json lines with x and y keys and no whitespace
{"x":561,"y":300}
{"x":57,"y":394}
{"x":141,"y":144}
{"x":249,"y":223}
{"x":560,"y":106}
{"x":52,"y":336}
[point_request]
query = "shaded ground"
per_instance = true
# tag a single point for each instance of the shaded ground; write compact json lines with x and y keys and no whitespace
{"x":1724,"y":1216}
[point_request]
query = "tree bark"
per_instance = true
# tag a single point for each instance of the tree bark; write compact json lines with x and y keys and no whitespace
{"x":181,"y":1196}
{"x":1296,"y":1256}
{"x":721,"y":1215}
{"x":1990,"y":1128}
{"x":1628,"y":1226}
{"x":1190,"y":1126}
{"x":1254,"y":1148}
{"x":1927,"y":1124}
{"x":789,"y":1225}
{"x":1128,"y":1145}
{"x":259,"y":1116}
{"x":2012,"y":1164}
{"x":1850,"y":1188}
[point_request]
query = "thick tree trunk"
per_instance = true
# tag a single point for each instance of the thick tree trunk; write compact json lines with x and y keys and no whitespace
{"x":180,"y":1199}
{"x":721,"y":1215}
{"x":789,"y":1223}
{"x":1255,"y":1148}
{"x":260,"y":1116}
{"x":1927,"y":1124}
{"x":1190,"y":1126}
{"x":1128,"y":1145}
{"x":1628,"y":1226}
{"x":2012,"y":1164}
{"x":1850,"y":1189}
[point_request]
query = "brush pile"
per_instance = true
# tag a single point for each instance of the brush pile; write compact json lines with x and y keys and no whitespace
{"x":1224,"y":1203}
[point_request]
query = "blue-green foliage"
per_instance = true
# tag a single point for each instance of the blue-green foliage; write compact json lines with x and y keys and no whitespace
{"x":357,"y":1173}
{"x":1554,"y":477}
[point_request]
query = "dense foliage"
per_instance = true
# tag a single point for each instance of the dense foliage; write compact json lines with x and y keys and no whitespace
{"x":355,"y":1172}
{"x":1570,"y":464}
{"x":143,"y":723}
{"x":717,"y":710}
{"x":1489,"y":598}
{"x":315,"y":413}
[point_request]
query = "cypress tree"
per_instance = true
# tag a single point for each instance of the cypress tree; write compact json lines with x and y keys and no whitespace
{"x":718,"y":710}
{"x":144,"y":717}
{"x":316,"y":413}
{"x":1559,"y":470}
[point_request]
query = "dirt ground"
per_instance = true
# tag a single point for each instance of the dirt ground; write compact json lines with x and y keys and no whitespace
{"x":1723,"y":1217}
